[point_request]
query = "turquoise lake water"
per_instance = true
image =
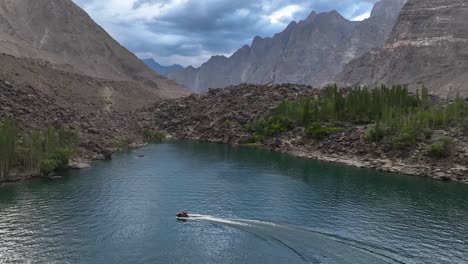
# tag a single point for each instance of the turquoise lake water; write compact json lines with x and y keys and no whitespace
{"x":253,"y":206}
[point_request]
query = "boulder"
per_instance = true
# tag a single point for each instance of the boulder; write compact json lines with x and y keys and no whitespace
{"x":79,"y":164}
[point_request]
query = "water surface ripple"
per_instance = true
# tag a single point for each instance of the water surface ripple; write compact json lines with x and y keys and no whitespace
{"x":254,"y":207}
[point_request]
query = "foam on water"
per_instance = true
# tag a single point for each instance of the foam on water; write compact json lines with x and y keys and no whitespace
{"x":312,"y":246}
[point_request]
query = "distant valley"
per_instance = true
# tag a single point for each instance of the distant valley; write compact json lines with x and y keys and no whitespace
{"x":161,"y":69}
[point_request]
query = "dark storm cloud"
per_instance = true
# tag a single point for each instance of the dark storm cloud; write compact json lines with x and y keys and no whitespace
{"x":190,"y":31}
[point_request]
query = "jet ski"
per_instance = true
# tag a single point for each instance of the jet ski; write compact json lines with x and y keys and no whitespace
{"x":182,"y":215}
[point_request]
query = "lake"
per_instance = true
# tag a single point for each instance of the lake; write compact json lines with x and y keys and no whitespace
{"x":253,"y":206}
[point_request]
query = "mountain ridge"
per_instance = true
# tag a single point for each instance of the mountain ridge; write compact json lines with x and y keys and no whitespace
{"x":161,"y":69}
{"x":311,"y":51}
{"x":63,"y":34}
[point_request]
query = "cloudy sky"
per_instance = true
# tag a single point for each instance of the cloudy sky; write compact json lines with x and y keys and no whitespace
{"x":189,"y":32}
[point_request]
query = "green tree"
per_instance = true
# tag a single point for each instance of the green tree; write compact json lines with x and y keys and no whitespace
{"x":8,"y":138}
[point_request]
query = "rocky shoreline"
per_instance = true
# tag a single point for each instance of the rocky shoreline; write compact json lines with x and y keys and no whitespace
{"x":76,"y":163}
{"x":443,"y":172}
{"x":220,"y":116}
{"x":99,"y":129}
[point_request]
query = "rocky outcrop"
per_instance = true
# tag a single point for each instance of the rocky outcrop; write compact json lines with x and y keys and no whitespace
{"x":428,"y":46}
{"x":309,"y":52}
{"x":218,"y":116}
{"x":61,"y":33}
{"x":221,"y":115}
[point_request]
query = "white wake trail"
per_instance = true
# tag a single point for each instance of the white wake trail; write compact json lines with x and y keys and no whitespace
{"x":310,"y":245}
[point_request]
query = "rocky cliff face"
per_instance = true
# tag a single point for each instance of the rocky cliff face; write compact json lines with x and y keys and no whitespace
{"x":309,"y":52}
{"x":428,"y":46}
{"x":59,"y":32}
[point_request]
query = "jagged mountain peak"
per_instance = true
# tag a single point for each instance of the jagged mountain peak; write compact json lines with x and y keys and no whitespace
{"x":325,"y":17}
{"x":218,"y":58}
{"x":312,"y":15}
{"x":257,"y":40}
{"x":333,"y":13}
{"x":310,"y":52}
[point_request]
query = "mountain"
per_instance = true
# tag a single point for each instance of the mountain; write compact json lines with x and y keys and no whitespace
{"x":428,"y":46}
{"x":161,"y":69}
{"x":62,"y":34}
{"x":309,"y":52}
{"x":60,"y":68}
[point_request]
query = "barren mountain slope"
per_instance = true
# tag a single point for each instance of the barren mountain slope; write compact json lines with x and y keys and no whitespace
{"x":428,"y":46}
{"x":57,"y":67}
{"x":73,"y":90}
{"x":61,"y":98}
{"x":60,"y":32}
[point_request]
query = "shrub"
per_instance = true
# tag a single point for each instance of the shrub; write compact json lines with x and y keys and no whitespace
{"x":440,"y":148}
{"x":227,"y":123}
{"x":248,"y":127}
{"x":427,"y":132}
{"x":464,"y":125}
{"x":404,"y":139}
{"x":259,"y":138}
{"x":47,"y":166}
{"x":317,"y":131}
{"x":122,"y":143}
{"x":61,"y":157}
{"x":376,"y":133}
{"x":277,"y":125}
{"x":153,"y":136}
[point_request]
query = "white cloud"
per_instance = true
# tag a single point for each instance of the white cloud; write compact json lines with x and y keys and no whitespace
{"x":243,"y":12}
{"x":126,"y":10}
{"x":189,"y":32}
{"x":285,"y":13}
{"x":361,"y":17}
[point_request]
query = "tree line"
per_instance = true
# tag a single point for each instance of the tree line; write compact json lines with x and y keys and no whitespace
{"x":395,"y":113}
{"x":37,"y":152}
